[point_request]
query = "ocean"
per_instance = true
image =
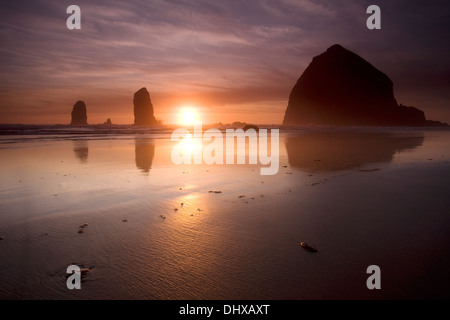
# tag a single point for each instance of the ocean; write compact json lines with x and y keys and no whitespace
{"x":160,"y":231}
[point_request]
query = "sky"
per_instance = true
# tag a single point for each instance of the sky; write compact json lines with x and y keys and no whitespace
{"x":233,"y":60}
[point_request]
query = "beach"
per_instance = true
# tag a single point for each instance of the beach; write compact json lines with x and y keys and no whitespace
{"x":156,"y":230}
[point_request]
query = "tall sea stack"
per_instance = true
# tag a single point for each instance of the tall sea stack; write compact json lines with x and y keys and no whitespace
{"x":143,"y":109}
{"x":341,"y":88}
{"x":79,"y":115}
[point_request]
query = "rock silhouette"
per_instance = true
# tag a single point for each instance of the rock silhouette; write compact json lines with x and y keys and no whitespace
{"x":341,"y":88}
{"x":143,"y":109}
{"x":79,"y":115}
{"x":107,"y":122}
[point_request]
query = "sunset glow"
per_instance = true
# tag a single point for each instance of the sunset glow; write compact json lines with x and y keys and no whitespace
{"x":241,"y":61}
{"x":188,"y":116}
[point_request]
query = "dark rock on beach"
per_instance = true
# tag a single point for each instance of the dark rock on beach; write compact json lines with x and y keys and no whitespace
{"x":307,"y":247}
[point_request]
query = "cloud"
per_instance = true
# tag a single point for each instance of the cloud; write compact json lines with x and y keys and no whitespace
{"x":310,"y":7}
{"x":231,"y":53}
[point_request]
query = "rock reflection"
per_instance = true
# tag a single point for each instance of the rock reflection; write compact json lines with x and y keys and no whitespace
{"x":81,"y":150}
{"x":144,"y":153}
{"x":333,"y":151}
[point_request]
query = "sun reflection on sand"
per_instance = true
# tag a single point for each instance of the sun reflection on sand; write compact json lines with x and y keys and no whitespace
{"x":190,"y":146}
{"x":218,"y":231}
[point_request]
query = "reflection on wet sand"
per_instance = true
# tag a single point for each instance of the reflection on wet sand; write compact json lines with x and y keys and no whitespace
{"x":332,"y":151}
{"x":81,"y":150}
{"x":144,"y":153}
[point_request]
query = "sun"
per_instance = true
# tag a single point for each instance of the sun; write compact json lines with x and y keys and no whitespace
{"x":188,"y":116}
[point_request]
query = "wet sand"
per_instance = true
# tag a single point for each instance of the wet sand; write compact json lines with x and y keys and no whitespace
{"x":360,"y":198}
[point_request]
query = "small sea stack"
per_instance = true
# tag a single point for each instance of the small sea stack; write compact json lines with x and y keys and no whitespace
{"x":79,"y":114}
{"x":143,"y":109}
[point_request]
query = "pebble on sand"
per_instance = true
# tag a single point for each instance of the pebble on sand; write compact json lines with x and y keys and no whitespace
{"x":1,"y":238}
{"x":125,"y":220}
{"x":83,"y":272}
{"x":369,"y":170}
{"x":307,"y":247}
{"x":175,"y":209}
{"x":81,"y":231}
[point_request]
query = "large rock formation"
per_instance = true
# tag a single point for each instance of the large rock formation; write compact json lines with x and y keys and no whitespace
{"x":143,"y":109}
{"x":79,"y":116}
{"x":341,"y":88}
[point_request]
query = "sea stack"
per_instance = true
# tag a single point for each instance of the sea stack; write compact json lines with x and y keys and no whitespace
{"x":341,"y":88}
{"x":143,"y":109}
{"x":79,"y":116}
